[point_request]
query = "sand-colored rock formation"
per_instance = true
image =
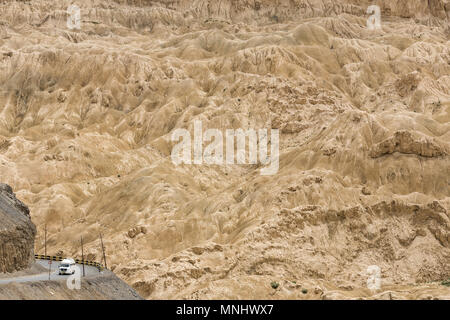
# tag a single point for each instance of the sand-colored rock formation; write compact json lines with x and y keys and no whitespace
{"x":86,"y":119}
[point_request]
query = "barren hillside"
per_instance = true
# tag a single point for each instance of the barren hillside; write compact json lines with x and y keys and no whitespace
{"x":87,"y":116}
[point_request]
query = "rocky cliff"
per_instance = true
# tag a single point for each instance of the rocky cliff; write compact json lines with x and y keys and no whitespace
{"x":16,"y":232}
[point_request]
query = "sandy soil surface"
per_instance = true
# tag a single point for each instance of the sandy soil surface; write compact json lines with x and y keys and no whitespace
{"x":86,"y":119}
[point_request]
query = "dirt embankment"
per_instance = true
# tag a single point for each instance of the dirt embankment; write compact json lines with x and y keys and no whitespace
{"x":102,"y":287}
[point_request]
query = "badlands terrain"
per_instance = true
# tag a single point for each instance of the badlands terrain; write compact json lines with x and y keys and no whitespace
{"x":87,"y":115}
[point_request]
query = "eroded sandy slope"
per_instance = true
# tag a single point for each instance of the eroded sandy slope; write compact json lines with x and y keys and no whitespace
{"x":86,"y":118}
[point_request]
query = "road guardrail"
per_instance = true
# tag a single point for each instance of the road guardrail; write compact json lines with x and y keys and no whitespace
{"x":99,"y":266}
